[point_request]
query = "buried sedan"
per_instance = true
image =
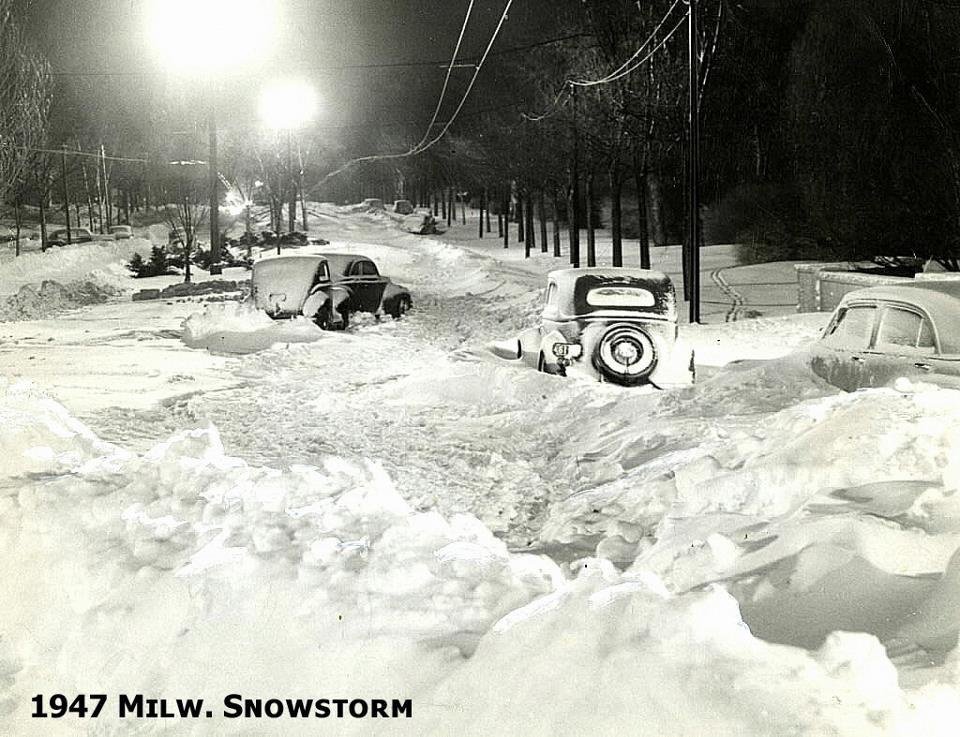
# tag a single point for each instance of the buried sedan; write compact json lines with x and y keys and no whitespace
{"x":880,"y":334}
{"x":619,"y":323}
{"x":325,"y":288}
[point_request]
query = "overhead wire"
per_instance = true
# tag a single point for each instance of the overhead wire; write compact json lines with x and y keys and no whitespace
{"x":627,"y":67}
{"x":446,"y":79}
{"x":640,"y":50}
{"x":419,"y":150}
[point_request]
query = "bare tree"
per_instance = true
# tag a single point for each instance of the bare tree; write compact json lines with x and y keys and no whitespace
{"x":24,"y":97}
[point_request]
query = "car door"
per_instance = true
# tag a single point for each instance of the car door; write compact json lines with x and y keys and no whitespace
{"x":839,"y":356}
{"x":368,"y":285}
{"x":904,"y":345}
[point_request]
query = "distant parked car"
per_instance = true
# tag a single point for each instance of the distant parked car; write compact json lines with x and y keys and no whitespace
{"x":422,"y":224}
{"x":403,"y":207}
{"x":6,"y":234}
{"x":77,"y":235}
{"x":327,"y":288}
{"x":880,"y":334}
{"x":121,"y":232}
{"x":621,"y":323}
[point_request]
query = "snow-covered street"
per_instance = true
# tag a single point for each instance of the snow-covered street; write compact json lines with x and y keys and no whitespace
{"x":238,"y":505}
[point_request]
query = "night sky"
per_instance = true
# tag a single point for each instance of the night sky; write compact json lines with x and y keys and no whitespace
{"x":99,"y":49}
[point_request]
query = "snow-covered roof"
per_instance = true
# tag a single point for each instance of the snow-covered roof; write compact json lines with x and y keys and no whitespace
{"x":574,"y":286}
{"x":565,"y":277}
{"x":939,"y":299}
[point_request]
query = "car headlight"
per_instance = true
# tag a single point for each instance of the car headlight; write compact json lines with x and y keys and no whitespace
{"x":567,"y":350}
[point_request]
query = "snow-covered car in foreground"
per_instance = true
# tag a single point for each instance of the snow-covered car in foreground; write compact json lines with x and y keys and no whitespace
{"x":326,"y":288}
{"x":880,"y":334}
{"x":622,"y":323}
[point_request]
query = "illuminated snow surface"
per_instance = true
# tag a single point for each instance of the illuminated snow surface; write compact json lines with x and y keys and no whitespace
{"x":195,"y":501}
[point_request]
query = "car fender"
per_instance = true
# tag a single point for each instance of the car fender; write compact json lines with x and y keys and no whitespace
{"x":676,"y":366}
{"x":529,"y":345}
{"x":391,"y":293}
{"x":314,"y":301}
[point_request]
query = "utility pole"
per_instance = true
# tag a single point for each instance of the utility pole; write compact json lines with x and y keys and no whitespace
{"x":574,"y":215}
{"x":693,"y":162}
{"x":66,"y":190}
{"x":292,"y":191}
{"x":215,"y":267}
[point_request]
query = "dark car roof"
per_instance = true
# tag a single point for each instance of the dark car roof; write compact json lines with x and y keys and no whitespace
{"x":939,"y":299}
{"x":574,"y":284}
{"x":340,"y":263}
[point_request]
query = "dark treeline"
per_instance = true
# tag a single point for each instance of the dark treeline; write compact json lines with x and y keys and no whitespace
{"x":830,"y":129}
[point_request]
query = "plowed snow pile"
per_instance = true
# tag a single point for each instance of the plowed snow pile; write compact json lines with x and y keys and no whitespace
{"x":184,"y":571}
{"x":43,"y":283}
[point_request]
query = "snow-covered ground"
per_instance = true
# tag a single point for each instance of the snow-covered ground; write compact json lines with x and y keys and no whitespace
{"x":197,"y":501}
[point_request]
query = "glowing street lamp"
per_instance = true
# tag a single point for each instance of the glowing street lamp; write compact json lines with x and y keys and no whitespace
{"x":202,"y":38}
{"x":286,"y":106}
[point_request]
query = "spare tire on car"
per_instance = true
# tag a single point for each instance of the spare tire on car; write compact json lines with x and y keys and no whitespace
{"x":625,"y":354}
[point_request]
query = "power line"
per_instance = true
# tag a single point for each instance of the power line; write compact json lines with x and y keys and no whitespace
{"x":70,"y":152}
{"x":636,"y":65}
{"x":446,"y":80}
{"x":416,"y":151}
{"x":342,"y":67}
{"x":636,"y":53}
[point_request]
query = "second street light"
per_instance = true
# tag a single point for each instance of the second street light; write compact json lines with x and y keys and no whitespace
{"x":287,"y":106}
{"x":198,"y":38}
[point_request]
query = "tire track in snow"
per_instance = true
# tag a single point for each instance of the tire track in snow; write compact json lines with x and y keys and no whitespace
{"x":737,"y":299}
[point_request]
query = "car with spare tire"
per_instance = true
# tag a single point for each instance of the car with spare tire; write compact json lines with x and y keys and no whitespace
{"x":619,"y":324}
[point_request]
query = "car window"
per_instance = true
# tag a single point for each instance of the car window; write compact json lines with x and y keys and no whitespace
{"x":367,"y":268}
{"x":620,"y":297}
{"x":903,"y":330}
{"x":550,"y":299}
{"x":323,"y":273}
{"x":852,"y":328}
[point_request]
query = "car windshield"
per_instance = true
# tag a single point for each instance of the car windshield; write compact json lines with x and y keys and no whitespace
{"x":851,"y":328}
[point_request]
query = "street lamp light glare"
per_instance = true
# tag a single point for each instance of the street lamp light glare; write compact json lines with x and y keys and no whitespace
{"x":288,"y":105}
{"x":207,"y":36}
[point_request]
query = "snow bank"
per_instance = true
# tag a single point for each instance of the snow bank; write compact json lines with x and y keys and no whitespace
{"x":185,"y":555}
{"x":233,"y":327}
{"x":103,"y":261}
{"x":187,"y":571}
{"x":41,"y":284}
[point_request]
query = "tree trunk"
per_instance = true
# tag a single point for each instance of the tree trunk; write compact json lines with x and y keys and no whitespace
{"x":463,"y":210}
{"x":643,"y":237}
{"x":615,"y":216}
{"x":556,"y":225}
{"x":483,"y":202}
{"x":591,"y":226}
{"x":486,"y":204}
{"x":506,"y":219}
{"x":43,"y":221}
{"x":520,"y":207}
{"x":531,"y":241}
{"x":543,"y":223}
{"x":655,"y":210}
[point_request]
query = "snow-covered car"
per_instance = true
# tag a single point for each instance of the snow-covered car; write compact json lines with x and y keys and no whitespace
{"x":6,"y":234}
{"x":326,"y":288}
{"x":880,"y":334}
{"x":403,"y":207}
{"x":121,"y":232}
{"x":621,"y":323}
{"x":77,"y":235}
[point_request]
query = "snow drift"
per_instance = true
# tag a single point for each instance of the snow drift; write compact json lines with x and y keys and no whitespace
{"x":186,"y":571}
